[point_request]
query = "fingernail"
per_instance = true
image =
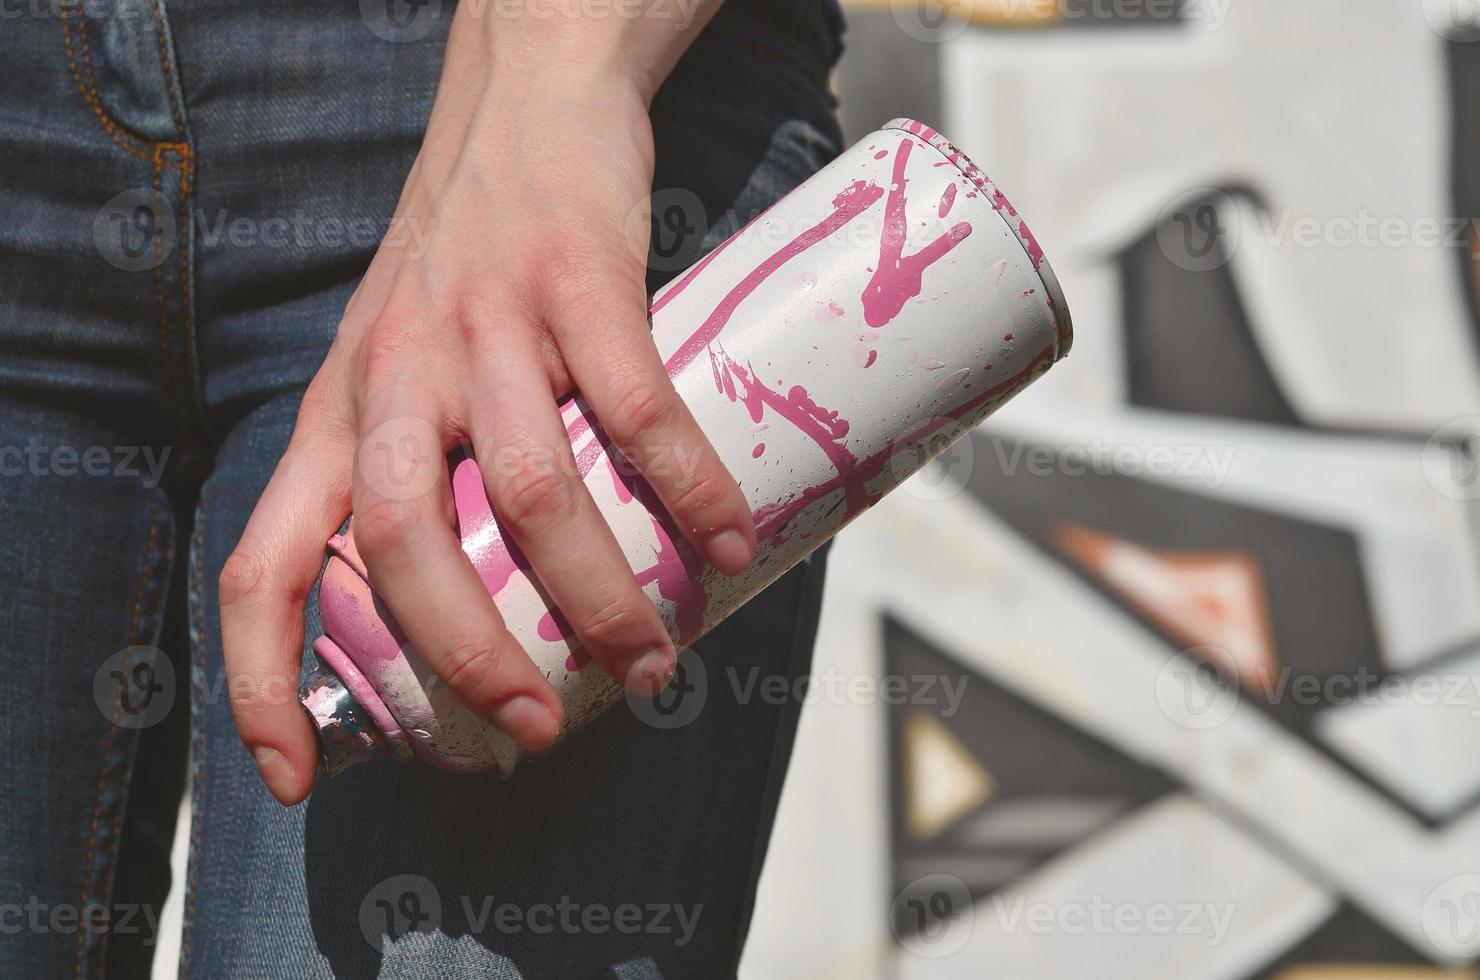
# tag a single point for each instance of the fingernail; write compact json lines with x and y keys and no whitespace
{"x":276,"y":773}
{"x":730,"y":552}
{"x":651,"y":672}
{"x":527,"y":721}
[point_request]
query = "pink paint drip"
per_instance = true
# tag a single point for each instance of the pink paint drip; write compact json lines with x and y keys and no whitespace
{"x":947,"y":199}
{"x":672,"y":292}
{"x":485,"y":542}
{"x":822,"y":426}
{"x":898,"y":278}
{"x":853,"y":201}
{"x":771,"y":519}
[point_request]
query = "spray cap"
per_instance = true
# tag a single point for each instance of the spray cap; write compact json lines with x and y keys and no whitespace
{"x":347,"y":735}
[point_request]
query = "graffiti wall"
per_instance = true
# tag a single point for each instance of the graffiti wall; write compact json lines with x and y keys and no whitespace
{"x":1173,"y":671}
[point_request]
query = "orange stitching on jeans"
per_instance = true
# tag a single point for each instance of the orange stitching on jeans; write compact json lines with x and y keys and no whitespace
{"x":155,"y":153}
{"x":198,"y":724}
{"x":89,"y":89}
{"x":131,"y":639}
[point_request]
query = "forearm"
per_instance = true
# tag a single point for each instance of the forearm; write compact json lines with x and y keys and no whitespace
{"x":590,"y":44}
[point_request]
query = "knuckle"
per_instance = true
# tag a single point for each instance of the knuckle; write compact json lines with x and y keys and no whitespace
{"x":318,"y":400}
{"x":642,"y":408}
{"x":257,"y":696}
{"x":243,"y":577}
{"x":321,"y":412}
{"x":704,"y":494}
{"x":386,"y":525}
{"x":612,"y":625}
{"x":582,"y":292}
{"x":386,"y":348}
{"x":534,"y":495}
{"x":473,"y":315}
{"x":472,"y":668}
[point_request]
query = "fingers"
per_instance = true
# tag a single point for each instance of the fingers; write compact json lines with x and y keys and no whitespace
{"x":263,"y":587}
{"x":611,"y":356}
{"x":525,"y":457}
{"x":403,"y":529}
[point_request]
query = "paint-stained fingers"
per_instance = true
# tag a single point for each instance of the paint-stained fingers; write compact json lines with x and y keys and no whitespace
{"x":611,"y":356}
{"x":403,"y":530}
{"x":263,"y":587}
{"x":536,"y":488}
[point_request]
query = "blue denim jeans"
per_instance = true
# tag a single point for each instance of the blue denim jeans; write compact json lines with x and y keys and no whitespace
{"x":190,"y":195}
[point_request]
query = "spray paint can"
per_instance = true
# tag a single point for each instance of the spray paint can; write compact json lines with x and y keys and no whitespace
{"x":829,"y":349}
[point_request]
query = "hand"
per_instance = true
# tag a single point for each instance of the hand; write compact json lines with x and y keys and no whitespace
{"x":528,"y":285}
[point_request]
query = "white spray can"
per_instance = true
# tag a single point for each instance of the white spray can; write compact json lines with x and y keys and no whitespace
{"x":828,"y":350}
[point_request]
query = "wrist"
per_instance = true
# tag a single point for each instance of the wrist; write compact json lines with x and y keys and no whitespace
{"x":545,"y":46}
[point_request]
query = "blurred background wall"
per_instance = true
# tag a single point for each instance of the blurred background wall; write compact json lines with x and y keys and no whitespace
{"x":1183,"y":649}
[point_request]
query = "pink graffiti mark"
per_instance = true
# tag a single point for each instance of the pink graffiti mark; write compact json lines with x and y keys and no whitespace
{"x":772,"y":519}
{"x":619,"y":486}
{"x":1030,"y":243}
{"x":900,"y":278}
{"x":947,"y":199}
{"x":853,"y":201}
{"x":821,"y":425}
{"x":674,"y":290}
{"x":485,"y":540}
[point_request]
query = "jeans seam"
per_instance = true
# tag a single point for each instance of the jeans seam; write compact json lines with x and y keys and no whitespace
{"x":197,"y":725}
{"x":132,"y":636}
{"x":186,"y":188}
{"x":148,"y":150}
{"x":161,"y":154}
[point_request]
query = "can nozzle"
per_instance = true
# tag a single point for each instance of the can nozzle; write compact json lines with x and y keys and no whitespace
{"x":346,"y":734}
